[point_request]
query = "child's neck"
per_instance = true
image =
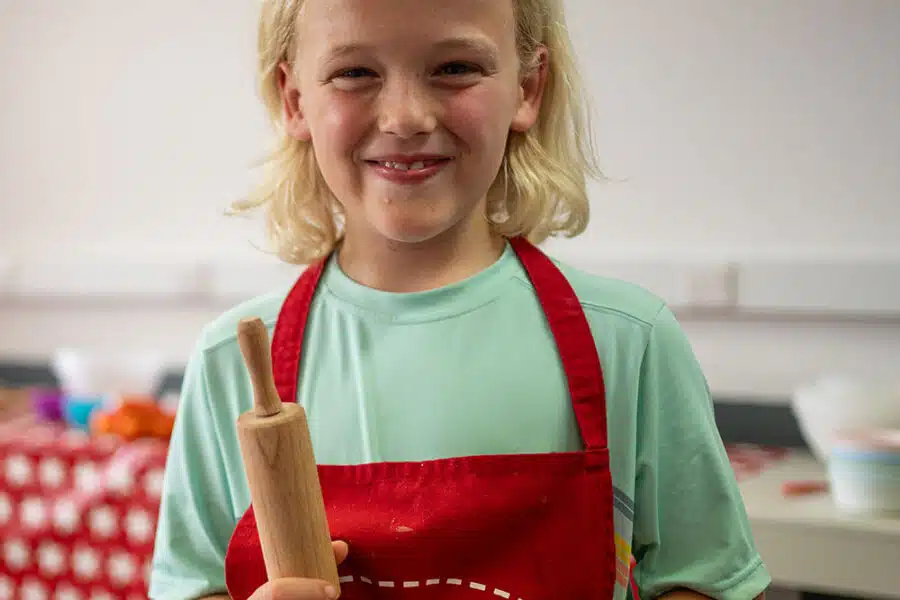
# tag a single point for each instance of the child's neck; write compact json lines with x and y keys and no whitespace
{"x":402,"y":268}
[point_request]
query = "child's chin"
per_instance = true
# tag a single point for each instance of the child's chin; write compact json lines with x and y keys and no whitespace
{"x":414,"y":233}
{"x":416,"y":222}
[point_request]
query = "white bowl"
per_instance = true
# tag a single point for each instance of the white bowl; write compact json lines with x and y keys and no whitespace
{"x":837,"y":403}
{"x":84,"y":373}
{"x":864,"y":471}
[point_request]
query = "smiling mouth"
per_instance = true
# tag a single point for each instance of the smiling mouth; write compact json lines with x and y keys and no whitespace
{"x":413,"y":166}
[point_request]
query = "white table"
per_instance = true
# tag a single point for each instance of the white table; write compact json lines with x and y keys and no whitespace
{"x":808,"y":544}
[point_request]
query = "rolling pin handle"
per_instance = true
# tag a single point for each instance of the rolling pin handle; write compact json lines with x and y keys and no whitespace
{"x":253,"y":338}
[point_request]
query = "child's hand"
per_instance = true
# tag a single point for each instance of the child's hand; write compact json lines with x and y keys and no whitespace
{"x":295,"y":588}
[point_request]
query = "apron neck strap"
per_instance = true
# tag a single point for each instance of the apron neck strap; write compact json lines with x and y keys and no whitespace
{"x":565,"y":317}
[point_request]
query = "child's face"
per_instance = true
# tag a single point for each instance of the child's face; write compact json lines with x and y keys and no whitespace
{"x":408,"y":105}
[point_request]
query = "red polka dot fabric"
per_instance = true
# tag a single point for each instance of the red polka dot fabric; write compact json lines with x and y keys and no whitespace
{"x":77,"y":513}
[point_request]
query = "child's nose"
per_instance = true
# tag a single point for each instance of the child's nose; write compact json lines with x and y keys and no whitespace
{"x":406,"y":110}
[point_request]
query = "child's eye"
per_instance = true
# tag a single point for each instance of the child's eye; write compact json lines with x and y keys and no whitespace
{"x":354,"y":73}
{"x":458,"y":68}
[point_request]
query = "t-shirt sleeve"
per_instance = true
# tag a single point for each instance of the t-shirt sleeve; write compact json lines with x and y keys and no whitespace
{"x":195,"y":518}
{"x":691,"y":528}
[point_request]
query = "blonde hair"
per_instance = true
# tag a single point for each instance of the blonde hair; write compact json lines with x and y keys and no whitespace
{"x":540,"y":189}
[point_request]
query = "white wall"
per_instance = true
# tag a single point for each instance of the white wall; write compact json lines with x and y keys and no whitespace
{"x":754,"y":146}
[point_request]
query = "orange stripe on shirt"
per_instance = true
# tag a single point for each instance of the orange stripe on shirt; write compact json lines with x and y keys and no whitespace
{"x":623,"y":549}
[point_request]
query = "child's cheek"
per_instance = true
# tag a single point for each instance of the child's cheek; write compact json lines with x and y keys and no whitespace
{"x":341,"y":122}
{"x":480,"y":117}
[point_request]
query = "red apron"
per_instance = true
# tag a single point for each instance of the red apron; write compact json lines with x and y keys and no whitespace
{"x":532,"y":527}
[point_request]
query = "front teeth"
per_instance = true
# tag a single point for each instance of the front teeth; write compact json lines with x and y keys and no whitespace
{"x":416,"y":166}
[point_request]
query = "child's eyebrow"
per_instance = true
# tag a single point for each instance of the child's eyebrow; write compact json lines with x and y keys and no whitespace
{"x":477,"y":44}
{"x":474,"y":43}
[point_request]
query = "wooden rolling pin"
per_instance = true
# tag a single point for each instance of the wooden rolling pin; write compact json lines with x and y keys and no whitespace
{"x":281,"y":472}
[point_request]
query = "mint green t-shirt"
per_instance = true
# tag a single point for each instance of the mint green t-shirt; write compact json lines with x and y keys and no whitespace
{"x":470,"y":369}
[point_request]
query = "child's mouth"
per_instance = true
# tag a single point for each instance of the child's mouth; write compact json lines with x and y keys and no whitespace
{"x":408,"y":172}
{"x":408,"y":166}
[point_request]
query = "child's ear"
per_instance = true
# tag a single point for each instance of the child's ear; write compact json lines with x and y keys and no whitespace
{"x":531,"y":92}
{"x":294,"y":118}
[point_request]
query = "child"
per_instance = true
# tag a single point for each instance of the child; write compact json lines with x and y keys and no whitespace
{"x":489,"y":423}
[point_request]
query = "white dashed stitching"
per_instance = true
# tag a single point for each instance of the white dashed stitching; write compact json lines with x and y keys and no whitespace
{"x":429,"y":582}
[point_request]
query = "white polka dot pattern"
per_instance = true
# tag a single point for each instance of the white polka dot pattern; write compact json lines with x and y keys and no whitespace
{"x":33,"y":513}
{"x":139,"y":526}
{"x":67,"y":591}
{"x":153,"y":483}
{"x":85,"y":563}
{"x":18,"y":470}
{"x":77,"y":514}
{"x":34,"y":589}
{"x":16,"y":555}
{"x":53,"y":473}
{"x":6,"y":509}
{"x":7,"y":587}
{"x":51,"y":559}
{"x":121,"y":569}
{"x":103,"y":522}
{"x":66,"y":519}
{"x":86,"y":476}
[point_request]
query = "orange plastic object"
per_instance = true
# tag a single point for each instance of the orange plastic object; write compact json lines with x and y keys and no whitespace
{"x":803,"y":488}
{"x":135,"y":418}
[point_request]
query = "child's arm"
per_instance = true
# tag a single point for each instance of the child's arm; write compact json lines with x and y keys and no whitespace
{"x":691,"y":530}
{"x":195,"y":514}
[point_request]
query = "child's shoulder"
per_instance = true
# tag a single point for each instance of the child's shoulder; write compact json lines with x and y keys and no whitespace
{"x":221,"y":331}
{"x":634,"y":320}
{"x":617,"y":298}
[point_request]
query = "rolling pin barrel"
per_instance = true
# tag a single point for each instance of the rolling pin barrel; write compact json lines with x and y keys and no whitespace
{"x":281,"y":472}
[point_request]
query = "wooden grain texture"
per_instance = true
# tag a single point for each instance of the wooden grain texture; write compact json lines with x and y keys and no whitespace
{"x":281,"y":473}
{"x":253,"y":339}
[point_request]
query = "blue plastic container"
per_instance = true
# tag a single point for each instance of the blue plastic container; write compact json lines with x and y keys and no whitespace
{"x":865,"y":473}
{"x":77,"y":410}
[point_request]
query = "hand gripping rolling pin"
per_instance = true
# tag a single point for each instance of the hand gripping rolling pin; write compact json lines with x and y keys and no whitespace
{"x":281,"y":472}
